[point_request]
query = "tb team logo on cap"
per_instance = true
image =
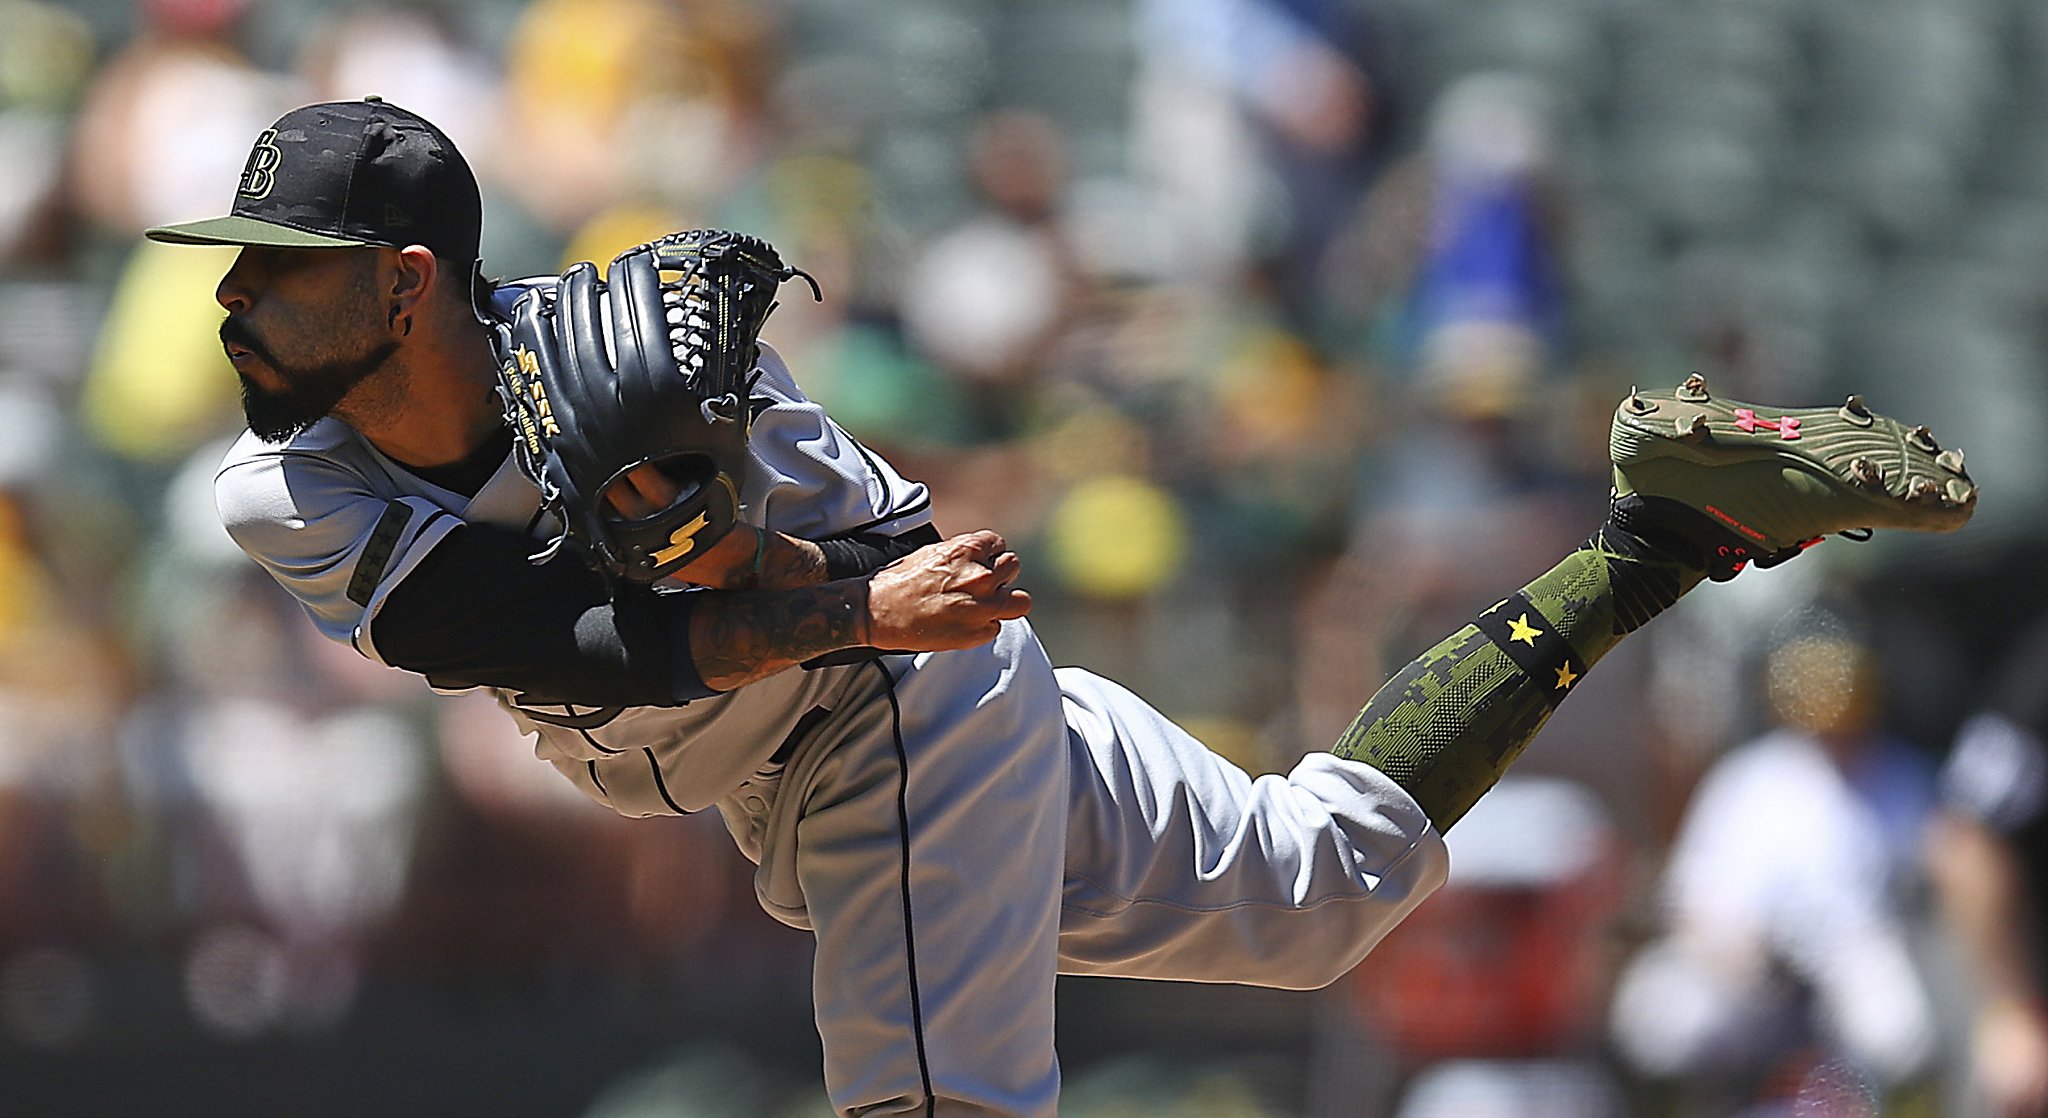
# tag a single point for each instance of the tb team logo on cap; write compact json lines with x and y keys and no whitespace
{"x":261,"y":173}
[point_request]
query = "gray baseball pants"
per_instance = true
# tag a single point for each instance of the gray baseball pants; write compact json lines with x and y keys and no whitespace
{"x":962,"y":829}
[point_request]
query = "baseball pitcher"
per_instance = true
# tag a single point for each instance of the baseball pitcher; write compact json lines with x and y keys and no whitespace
{"x":601,"y":497}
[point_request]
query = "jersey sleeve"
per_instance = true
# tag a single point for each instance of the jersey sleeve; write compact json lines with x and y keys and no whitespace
{"x":325,"y":536}
{"x":816,"y":481}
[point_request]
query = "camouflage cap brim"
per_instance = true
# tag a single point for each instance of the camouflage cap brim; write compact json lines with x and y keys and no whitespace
{"x":246,"y":231}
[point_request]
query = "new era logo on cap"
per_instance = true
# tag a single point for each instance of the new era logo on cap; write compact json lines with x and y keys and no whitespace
{"x":349,"y":173}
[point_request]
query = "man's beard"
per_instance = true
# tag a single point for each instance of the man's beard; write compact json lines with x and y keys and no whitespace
{"x":311,"y":392}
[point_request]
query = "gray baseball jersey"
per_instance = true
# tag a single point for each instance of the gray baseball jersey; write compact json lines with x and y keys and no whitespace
{"x":955,"y":828}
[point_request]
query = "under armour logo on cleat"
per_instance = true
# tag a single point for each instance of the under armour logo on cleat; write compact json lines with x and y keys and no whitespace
{"x":1787,"y":427}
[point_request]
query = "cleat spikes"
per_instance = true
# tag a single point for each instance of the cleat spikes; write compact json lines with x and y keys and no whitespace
{"x":1798,"y":474}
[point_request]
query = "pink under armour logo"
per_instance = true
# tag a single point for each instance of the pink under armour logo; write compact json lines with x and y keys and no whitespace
{"x":1787,"y":427}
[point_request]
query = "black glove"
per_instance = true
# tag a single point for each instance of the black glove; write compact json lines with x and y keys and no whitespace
{"x":652,"y":365}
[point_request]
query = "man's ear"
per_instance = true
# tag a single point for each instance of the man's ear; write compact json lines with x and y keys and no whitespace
{"x":413,"y":275}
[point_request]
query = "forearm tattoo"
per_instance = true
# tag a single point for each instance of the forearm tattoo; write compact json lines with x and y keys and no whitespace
{"x":787,"y":563}
{"x":741,"y":636}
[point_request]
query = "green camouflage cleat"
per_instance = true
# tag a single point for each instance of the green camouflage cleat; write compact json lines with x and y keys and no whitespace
{"x":1778,"y":479}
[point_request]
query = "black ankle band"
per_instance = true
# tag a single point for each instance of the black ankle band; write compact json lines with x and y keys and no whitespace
{"x":1649,"y":564}
{"x":1518,"y":628}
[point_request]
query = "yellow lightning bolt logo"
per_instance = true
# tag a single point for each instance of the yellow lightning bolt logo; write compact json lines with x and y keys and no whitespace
{"x":681,"y":541}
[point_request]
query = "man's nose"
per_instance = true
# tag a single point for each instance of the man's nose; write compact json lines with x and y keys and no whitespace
{"x":234,"y":292}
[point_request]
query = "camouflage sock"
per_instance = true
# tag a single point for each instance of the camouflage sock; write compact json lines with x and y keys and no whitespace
{"x":1449,"y":724}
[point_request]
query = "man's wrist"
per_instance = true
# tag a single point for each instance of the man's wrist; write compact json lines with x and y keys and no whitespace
{"x":789,"y":563}
{"x":737,"y":637}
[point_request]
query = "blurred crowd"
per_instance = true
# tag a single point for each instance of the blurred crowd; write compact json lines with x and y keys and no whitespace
{"x":1279,"y":335}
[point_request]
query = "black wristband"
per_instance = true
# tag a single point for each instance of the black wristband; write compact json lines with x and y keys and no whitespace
{"x":847,"y":558}
{"x":850,"y":556}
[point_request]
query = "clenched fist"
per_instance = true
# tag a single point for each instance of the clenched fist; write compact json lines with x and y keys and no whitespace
{"x":947,"y":595}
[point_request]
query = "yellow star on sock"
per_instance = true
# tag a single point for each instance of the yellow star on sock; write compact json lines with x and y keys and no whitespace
{"x":1565,"y":676}
{"x":1519,"y":629}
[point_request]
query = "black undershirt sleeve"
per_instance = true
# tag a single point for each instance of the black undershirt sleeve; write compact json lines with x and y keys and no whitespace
{"x":476,"y":612}
{"x":865,"y":552}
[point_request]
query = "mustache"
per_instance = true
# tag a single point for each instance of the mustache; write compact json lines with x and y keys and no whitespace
{"x":234,"y":331}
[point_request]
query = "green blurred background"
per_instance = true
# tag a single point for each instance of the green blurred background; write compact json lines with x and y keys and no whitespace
{"x":1280,"y":335}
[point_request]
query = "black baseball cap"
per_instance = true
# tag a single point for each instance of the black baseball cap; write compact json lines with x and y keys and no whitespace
{"x":346,"y":174}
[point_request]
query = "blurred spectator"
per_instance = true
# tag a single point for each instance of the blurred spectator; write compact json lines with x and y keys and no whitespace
{"x":1989,"y":857}
{"x":1486,"y":309}
{"x":46,"y":58}
{"x":411,"y":56}
{"x":619,"y":100}
{"x":1794,"y":941}
{"x":1451,"y":270}
{"x":1489,"y":998}
{"x":988,"y":301}
{"x":1254,"y":120}
{"x":1512,"y":1089}
{"x":163,"y":131}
